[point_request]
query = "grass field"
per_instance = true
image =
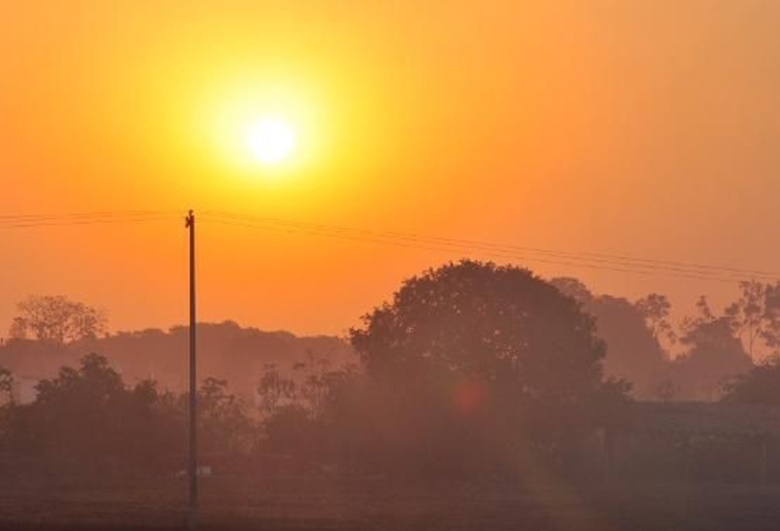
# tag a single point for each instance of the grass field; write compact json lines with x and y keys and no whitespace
{"x":315,"y":503}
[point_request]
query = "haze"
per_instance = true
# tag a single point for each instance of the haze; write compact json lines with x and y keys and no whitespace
{"x":628,"y":127}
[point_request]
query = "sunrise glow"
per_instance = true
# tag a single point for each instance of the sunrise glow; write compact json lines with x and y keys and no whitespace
{"x":389,"y":264}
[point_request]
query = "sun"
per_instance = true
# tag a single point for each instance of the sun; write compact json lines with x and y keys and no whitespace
{"x":271,"y":140}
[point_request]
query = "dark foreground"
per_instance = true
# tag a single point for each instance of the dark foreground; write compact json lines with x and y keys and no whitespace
{"x":311,"y":504}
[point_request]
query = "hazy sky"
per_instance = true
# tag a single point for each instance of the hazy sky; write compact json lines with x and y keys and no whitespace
{"x":627,"y":127}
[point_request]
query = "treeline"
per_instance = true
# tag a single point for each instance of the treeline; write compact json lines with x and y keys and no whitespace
{"x":469,"y":369}
{"x":87,"y":420}
{"x":226,"y":351}
{"x":664,"y":358}
{"x":695,"y":358}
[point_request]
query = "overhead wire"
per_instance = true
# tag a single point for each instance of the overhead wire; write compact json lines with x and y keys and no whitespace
{"x":24,"y":221}
{"x":619,"y":263}
{"x":397,"y":243}
{"x":597,"y":257}
{"x":575,"y":259}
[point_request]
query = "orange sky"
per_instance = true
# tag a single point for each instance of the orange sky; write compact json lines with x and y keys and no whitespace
{"x":638,"y":127}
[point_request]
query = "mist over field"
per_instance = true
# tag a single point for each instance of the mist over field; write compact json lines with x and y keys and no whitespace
{"x":535,"y":400}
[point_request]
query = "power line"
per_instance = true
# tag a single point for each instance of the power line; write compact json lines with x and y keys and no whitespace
{"x":92,"y":218}
{"x":423,"y":246}
{"x":618,"y":263}
{"x":66,"y":215}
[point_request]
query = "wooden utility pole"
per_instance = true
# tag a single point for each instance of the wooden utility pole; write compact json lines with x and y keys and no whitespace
{"x":192,"y":468}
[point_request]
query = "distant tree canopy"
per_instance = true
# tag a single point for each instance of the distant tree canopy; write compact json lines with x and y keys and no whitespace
{"x":755,"y":316}
{"x":655,"y":309}
{"x":485,"y":355}
{"x":631,"y":332}
{"x":713,"y":347}
{"x":56,"y":319}
{"x":713,"y":353}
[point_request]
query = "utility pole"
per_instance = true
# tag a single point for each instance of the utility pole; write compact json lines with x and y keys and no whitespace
{"x":192,"y":469}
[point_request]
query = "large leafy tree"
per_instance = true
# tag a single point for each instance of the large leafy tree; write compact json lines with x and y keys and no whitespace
{"x":475,"y":355}
{"x":56,"y":319}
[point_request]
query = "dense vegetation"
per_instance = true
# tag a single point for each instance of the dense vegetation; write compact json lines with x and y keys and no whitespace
{"x":471,"y":369}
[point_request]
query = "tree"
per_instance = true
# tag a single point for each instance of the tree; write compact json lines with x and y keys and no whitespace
{"x":574,"y":288}
{"x":274,"y":389}
{"x":313,"y":386}
{"x":6,"y":382}
{"x":760,"y":385}
{"x":771,"y":333}
{"x":469,"y":359}
{"x":756,"y":314}
{"x":56,"y":319}
{"x":655,"y":309}
{"x":86,"y":418}
{"x":714,"y":353}
{"x":633,"y":350}
{"x":225,"y":426}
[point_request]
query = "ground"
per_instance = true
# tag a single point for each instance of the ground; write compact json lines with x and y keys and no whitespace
{"x":322,"y":504}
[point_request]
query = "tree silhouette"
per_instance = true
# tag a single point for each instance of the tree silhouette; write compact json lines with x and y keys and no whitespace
{"x":714,"y":353}
{"x":87,"y":421}
{"x":473,"y":352}
{"x":756,"y":315}
{"x":274,"y":389}
{"x":6,"y":382}
{"x":87,"y":418}
{"x":633,"y":349}
{"x":655,"y":309}
{"x":225,"y":426}
{"x":57,"y":319}
{"x":760,"y":385}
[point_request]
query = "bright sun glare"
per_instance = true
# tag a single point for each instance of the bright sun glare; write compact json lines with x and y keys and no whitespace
{"x":270,"y":140}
